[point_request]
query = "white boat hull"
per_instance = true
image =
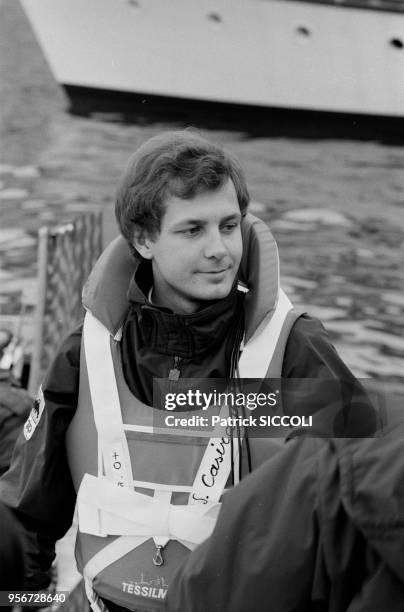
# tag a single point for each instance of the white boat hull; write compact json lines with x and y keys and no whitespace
{"x":276,"y":53}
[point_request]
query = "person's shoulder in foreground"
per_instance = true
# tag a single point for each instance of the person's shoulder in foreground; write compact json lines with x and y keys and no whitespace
{"x":11,"y":552}
{"x":319,"y":527}
{"x":37,"y":485}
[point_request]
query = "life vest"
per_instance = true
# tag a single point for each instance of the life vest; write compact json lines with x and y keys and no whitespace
{"x":142,"y":499}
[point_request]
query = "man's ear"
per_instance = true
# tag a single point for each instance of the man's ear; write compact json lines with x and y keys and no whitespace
{"x":143,"y":243}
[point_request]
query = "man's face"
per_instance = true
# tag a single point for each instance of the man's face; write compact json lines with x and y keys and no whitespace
{"x":196,"y":255}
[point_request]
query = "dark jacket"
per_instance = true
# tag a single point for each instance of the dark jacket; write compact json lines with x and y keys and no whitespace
{"x":319,"y":527}
{"x":15,"y":406}
{"x":11,"y":552}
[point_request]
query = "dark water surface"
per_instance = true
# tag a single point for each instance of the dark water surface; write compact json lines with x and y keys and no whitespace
{"x":335,"y":206}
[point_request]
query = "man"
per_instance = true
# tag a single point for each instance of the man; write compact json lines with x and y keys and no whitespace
{"x":319,"y":527}
{"x":169,"y":307}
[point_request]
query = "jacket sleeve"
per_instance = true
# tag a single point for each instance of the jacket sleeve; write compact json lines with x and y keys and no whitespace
{"x":309,"y":352}
{"x":286,"y":538}
{"x":38,"y":486}
{"x":317,"y":382}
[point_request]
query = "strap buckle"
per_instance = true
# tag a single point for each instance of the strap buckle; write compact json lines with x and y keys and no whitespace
{"x":158,"y":557}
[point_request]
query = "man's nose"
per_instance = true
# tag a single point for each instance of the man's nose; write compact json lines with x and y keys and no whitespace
{"x":215,"y":246}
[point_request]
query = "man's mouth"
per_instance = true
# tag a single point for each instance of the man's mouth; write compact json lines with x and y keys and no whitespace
{"x":219,"y":271}
{"x":216,"y":270}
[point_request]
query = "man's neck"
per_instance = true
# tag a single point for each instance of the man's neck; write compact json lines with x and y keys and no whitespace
{"x":179,"y":305}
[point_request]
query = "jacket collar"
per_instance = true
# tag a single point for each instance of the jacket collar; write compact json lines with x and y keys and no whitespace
{"x":183,"y":335}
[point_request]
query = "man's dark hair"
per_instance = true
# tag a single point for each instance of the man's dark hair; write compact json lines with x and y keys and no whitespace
{"x":181,"y":164}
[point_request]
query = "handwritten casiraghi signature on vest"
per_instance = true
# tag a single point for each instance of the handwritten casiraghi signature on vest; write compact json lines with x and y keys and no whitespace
{"x":209,"y":478}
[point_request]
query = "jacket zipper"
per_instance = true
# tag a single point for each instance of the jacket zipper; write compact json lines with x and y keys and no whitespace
{"x":175,"y":373}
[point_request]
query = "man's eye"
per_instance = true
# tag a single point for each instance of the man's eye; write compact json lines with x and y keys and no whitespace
{"x":229,"y":227}
{"x":191,"y":231}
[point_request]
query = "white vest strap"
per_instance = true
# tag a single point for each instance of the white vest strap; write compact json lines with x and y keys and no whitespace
{"x":96,"y":603}
{"x":215,"y":467}
{"x":104,"y":510}
{"x":111,"y":553}
{"x":257,"y":354}
{"x":106,"y":405}
{"x":105,"y":557}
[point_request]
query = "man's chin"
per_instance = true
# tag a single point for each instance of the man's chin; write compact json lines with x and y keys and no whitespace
{"x":217,"y":292}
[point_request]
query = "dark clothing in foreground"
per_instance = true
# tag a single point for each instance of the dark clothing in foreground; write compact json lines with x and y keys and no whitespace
{"x":11,"y":552}
{"x":319,"y":527}
{"x":15,"y":406}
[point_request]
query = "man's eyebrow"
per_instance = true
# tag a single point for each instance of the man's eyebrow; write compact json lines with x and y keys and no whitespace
{"x":190,"y":222}
{"x":232,"y":217}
